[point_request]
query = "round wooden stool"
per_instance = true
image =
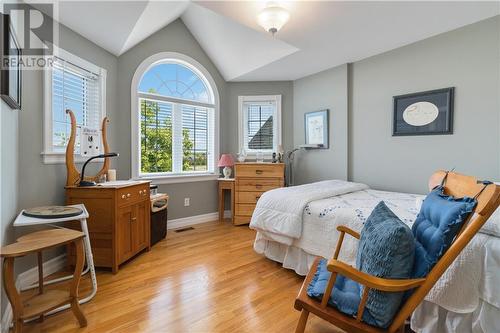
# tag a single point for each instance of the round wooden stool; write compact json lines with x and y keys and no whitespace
{"x":43,"y":302}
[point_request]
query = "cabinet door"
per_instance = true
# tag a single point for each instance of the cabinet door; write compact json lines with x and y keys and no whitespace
{"x":125,"y":233}
{"x":141,"y":226}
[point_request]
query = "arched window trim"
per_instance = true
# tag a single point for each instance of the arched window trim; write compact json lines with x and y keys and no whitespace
{"x":204,"y":75}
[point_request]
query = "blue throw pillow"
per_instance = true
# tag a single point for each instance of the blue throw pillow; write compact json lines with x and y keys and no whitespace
{"x":386,"y":249}
{"x":438,"y":222}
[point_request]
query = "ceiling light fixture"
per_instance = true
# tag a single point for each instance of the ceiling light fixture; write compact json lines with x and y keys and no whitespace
{"x":273,"y":18}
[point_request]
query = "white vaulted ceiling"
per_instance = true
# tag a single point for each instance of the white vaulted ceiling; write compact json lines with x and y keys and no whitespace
{"x":319,"y":35}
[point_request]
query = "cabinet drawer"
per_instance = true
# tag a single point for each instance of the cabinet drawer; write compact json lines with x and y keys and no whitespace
{"x":238,"y":220}
{"x":244,"y":209}
{"x":259,"y":170}
{"x":257,"y":184}
{"x":248,"y":197}
{"x":132,"y":194}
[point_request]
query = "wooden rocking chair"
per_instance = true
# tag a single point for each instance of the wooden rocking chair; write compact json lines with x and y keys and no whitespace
{"x":456,"y":185}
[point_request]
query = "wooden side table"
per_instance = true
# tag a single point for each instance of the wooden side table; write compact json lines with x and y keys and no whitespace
{"x":226,"y":184}
{"x":43,"y":302}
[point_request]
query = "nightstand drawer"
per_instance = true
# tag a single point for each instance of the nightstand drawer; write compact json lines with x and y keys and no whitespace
{"x":261,"y":170}
{"x":257,"y":184}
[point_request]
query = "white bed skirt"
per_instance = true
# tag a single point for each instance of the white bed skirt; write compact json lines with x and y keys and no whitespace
{"x":427,"y":318}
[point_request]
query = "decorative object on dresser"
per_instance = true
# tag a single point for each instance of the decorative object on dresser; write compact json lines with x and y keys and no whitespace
{"x":316,"y":129}
{"x":73,"y":176}
{"x":119,"y":222}
{"x":226,"y":161}
{"x":424,"y":113}
{"x":45,"y":301}
{"x":226,"y":184}
{"x":251,"y":180}
{"x":242,"y":155}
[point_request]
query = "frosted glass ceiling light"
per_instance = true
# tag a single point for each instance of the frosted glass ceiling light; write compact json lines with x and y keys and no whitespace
{"x":273,"y":18}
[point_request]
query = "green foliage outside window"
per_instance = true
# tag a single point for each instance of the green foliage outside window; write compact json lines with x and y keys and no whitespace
{"x":156,"y":141}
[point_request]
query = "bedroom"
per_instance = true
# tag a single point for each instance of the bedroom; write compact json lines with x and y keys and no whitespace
{"x":346,"y":60}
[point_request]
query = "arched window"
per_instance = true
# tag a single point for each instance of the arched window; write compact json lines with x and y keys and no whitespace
{"x":174,"y":118}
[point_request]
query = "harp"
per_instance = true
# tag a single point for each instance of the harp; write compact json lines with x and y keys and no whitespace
{"x":73,"y":175}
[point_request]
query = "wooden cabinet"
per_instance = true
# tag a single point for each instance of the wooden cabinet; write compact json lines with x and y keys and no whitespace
{"x":119,"y":221}
{"x":253,"y":179}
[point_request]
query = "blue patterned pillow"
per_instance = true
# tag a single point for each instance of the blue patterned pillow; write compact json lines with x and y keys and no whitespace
{"x":438,"y":222}
{"x":386,"y":249}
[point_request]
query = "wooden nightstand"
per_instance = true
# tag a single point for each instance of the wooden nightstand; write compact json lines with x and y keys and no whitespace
{"x":226,"y":184}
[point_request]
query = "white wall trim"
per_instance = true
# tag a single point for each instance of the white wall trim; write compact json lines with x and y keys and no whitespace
{"x":28,"y":278}
{"x":192,"y":220}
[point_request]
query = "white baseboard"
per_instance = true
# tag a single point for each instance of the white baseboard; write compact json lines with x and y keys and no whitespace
{"x":191,"y":220}
{"x":30,"y":277}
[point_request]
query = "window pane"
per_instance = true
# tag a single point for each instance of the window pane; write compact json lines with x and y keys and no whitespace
{"x":260,"y":128}
{"x":156,"y":136}
{"x":194,"y":138}
{"x":175,"y":80}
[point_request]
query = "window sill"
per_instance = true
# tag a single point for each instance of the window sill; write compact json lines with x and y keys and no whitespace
{"x":60,"y":158}
{"x":174,"y":179}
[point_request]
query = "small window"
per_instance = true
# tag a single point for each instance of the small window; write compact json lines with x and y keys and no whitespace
{"x":259,"y":123}
{"x":75,"y":84}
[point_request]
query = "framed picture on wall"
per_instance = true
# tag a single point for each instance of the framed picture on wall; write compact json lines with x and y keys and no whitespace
{"x":424,"y":113}
{"x":10,"y":71}
{"x":316,"y":128}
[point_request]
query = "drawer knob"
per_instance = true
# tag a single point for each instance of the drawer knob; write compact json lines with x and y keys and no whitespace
{"x":128,"y":195}
{"x":140,"y":192}
{"x":258,"y":186}
{"x":133,"y":219}
{"x":123,"y":196}
{"x":259,"y":172}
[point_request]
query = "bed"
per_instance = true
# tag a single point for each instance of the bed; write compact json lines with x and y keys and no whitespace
{"x":465,"y":299}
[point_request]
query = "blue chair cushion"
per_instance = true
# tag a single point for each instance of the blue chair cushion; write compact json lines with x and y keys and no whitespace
{"x":345,"y":295}
{"x":440,"y":219}
{"x":386,"y":249}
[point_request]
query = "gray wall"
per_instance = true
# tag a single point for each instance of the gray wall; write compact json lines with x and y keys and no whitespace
{"x":9,"y":175}
{"x":229,"y":140}
{"x":324,"y":90}
{"x":468,"y":59}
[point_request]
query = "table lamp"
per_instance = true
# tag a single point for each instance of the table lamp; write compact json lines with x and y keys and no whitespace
{"x":83,"y":182}
{"x":226,"y":161}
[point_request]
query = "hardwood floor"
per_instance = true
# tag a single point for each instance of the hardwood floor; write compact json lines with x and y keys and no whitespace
{"x":204,"y":280}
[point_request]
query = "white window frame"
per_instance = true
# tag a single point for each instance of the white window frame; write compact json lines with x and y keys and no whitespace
{"x":49,"y":156}
{"x":242,"y":122}
{"x":196,"y":67}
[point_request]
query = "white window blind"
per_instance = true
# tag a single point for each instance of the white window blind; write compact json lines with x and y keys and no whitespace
{"x":79,"y":90}
{"x":259,"y":125}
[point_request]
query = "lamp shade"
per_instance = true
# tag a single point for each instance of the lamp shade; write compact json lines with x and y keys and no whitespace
{"x":226,"y":160}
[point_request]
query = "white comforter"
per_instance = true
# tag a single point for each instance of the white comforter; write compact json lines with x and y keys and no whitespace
{"x":279,"y":212}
